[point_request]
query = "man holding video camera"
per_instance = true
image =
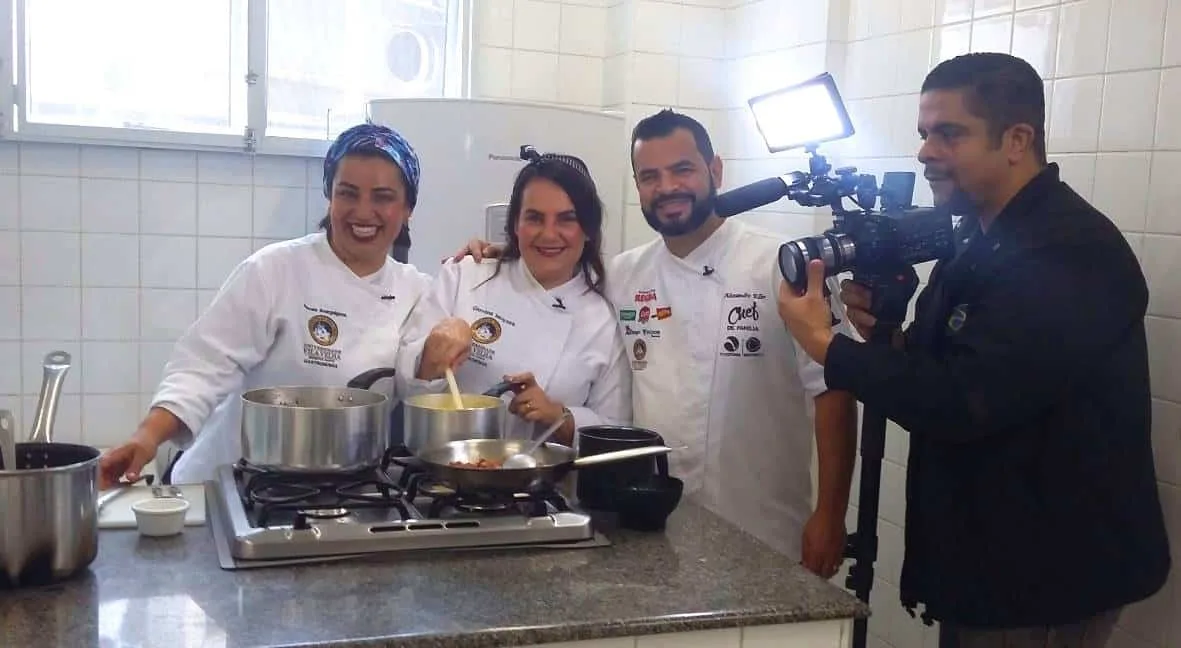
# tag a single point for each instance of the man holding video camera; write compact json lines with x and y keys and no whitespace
{"x":1032,"y":510}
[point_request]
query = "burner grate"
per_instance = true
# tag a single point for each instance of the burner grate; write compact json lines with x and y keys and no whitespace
{"x":267,"y":491}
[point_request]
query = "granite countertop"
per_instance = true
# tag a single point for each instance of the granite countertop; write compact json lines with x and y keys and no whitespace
{"x":700,"y":573}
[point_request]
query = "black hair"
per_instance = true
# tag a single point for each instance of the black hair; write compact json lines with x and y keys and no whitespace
{"x":571,"y":174}
{"x":1001,"y":89}
{"x":411,"y":196}
{"x":663,"y":124}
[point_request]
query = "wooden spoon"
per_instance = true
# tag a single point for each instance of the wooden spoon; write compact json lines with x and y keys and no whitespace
{"x":454,"y":389}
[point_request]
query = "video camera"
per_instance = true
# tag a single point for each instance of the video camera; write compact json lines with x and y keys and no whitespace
{"x":880,"y":247}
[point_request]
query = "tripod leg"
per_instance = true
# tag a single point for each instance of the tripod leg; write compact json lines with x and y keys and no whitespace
{"x":864,"y":543}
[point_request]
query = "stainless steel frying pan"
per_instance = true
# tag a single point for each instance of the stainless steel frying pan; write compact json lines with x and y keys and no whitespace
{"x":455,"y":464}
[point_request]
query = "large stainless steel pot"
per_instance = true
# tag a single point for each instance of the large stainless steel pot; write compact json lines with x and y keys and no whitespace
{"x":48,"y":513}
{"x":317,"y":429}
{"x":432,"y":420}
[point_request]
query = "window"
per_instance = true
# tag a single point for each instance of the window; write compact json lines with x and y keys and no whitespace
{"x":283,"y":75}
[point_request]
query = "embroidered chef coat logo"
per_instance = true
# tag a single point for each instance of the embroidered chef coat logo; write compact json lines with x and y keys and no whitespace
{"x":486,"y":330}
{"x":639,"y":354}
{"x":645,"y":314}
{"x":955,"y":322}
{"x":323,"y":330}
{"x":645,"y":296}
{"x":743,"y":317}
{"x":740,"y":324}
{"x":628,"y":330}
{"x":640,"y":350}
{"x":663,"y":312}
{"x":324,"y":333}
{"x":627,"y":314}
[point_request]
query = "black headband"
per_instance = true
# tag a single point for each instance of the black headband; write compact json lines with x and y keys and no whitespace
{"x":530,"y":154}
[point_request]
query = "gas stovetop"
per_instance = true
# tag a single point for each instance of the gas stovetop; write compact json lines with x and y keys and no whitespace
{"x":268,"y":515}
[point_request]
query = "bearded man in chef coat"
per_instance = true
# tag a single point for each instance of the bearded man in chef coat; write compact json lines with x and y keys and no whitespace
{"x":713,"y":366}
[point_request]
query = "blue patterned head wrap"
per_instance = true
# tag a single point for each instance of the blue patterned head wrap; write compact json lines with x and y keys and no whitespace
{"x":370,"y":137}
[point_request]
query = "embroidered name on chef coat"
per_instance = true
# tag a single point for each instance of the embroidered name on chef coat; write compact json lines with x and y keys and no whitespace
{"x":486,"y":330}
{"x":323,"y":333}
{"x":741,"y":337}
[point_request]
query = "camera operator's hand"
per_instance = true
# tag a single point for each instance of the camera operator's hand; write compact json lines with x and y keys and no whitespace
{"x":807,"y":315}
{"x":857,"y":299}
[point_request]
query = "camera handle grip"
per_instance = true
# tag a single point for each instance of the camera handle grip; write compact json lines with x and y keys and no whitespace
{"x":891,"y":292}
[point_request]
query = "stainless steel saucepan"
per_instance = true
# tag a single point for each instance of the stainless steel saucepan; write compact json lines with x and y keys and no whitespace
{"x":317,"y":429}
{"x":47,"y":500}
{"x":433,"y":420}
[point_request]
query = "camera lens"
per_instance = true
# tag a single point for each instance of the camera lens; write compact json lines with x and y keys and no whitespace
{"x":837,"y":251}
{"x":793,"y":263}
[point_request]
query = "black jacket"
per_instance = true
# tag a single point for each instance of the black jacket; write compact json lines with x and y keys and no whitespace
{"x":1031,"y":493}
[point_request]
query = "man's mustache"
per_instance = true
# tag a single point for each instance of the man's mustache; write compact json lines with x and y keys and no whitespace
{"x":672,"y":198}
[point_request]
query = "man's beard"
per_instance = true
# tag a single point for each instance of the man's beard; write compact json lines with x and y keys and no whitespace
{"x":958,"y":202}
{"x":699,"y":212}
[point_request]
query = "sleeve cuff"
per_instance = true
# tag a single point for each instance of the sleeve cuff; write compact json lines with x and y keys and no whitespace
{"x":416,"y":386}
{"x":584,"y":417}
{"x":842,"y":362}
{"x":187,"y":434}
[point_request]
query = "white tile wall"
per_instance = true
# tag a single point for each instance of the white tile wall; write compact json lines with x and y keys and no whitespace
{"x":109,"y":253}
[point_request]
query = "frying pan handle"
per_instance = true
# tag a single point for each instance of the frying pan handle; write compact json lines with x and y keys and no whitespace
{"x":500,"y":389}
{"x":620,"y":455}
{"x":367,"y":379}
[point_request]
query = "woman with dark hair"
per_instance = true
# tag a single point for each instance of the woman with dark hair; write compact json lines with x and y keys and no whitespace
{"x":536,"y":316}
{"x":316,"y":310}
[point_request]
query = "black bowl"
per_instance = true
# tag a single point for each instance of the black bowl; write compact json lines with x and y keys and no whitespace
{"x":646,"y":505}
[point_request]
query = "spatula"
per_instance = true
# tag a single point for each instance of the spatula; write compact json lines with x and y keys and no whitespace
{"x":454,"y":389}
{"x":525,"y":459}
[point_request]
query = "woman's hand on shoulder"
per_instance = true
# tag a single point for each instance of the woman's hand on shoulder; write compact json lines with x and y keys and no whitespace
{"x":478,"y":249}
{"x":447,"y":345}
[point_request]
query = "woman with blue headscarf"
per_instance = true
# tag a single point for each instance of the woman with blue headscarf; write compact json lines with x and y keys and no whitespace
{"x":316,"y":310}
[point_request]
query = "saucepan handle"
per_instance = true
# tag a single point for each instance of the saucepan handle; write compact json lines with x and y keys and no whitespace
{"x":620,"y":455}
{"x":53,"y":370}
{"x":7,"y":440}
{"x":369,"y":378}
{"x":500,"y":389}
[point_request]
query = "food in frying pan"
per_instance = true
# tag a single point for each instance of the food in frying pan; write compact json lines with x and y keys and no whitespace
{"x":483,"y":463}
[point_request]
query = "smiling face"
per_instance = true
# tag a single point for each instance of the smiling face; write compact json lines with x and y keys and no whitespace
{"x":963,"y":161}
{"x":367,"y":210}
{"x":677,"y":186}
{"x":548,"y":233}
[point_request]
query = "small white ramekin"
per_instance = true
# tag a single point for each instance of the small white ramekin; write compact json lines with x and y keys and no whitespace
{"x":160,"y":516}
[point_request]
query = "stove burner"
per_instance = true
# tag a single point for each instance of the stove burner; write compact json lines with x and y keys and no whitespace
{"x":319,"y":495}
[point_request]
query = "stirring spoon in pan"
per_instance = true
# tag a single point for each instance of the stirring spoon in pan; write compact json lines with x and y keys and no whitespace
{"x":525,"y":459}
{"x":454,"y":389}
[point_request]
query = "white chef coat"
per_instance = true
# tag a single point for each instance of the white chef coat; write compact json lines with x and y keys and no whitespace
{"x":292,"y":313}
{"x":715,"y":368}
{"x":565,"y":336}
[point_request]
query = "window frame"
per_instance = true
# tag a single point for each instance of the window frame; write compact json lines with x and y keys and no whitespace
{"x":15,"y":127}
